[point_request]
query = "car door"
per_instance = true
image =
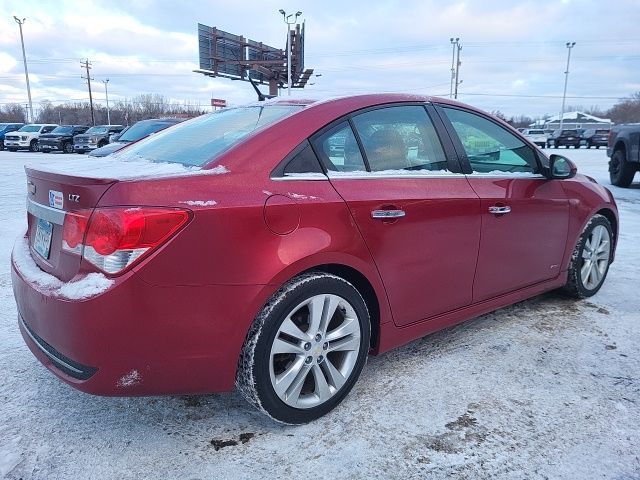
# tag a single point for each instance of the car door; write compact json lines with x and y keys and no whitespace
{"x":525,"y":217}
{"x":414,"y":208}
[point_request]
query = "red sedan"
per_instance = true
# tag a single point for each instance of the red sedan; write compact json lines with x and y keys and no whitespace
{"x":274,"y":246}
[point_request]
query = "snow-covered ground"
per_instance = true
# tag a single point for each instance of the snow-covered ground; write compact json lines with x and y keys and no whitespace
{"x":547,"y":388}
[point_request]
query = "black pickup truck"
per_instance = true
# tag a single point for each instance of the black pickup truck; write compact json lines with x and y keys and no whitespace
{"x":60,"y":139}
{"x":623,"y":149}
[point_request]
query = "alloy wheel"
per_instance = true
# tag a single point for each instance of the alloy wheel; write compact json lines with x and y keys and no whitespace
{"x":595,"y":257}
{"x":314,"y":351}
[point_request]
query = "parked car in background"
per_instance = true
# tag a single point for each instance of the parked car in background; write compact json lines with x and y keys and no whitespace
{"x":536,"y":136}
{"x":8,"y":128}
{"x":564,"y":138}
{"x":61,"y":138}
{"x":623,"y":148}
{"x":595,"y":137}
{"x":27,"y":137}
{"x":95,"y":137}
{"x":135,"y":132}
{"x":277,"y":259}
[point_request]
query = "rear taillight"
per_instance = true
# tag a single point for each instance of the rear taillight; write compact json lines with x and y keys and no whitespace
{"x":113,"y":239}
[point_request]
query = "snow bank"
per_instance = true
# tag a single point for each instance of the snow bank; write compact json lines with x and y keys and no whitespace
{"x":123,"y":168}
{"x":86,"y":287}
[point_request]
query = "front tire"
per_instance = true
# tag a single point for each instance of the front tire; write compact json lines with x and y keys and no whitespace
{"x":33,"y":146}
{"x":305,"y":349}
{"x":621,"y":172}
{"x":68,"y":147}
{"x":591,"y":258}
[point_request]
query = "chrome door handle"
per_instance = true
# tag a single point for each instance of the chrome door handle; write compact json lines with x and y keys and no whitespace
{"x":499,"y":210}
{"x":384,"y":214}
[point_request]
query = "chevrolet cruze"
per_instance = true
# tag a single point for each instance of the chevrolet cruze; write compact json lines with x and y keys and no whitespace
{"x":272,"y":247}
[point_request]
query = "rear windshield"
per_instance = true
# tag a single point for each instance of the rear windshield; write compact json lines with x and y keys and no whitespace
{"x":200,"y":140}
{"x":141,"y":130}
{"x":536,"y":132}
{"x":602,"y":131}
{"x":569,"y":132}
{"x":64,"y":129}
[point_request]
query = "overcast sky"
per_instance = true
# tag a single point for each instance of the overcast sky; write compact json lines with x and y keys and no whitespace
{"x":513,"y":56}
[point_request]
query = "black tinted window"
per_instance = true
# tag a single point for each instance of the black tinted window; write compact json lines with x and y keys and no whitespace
{"x":304,"y":162}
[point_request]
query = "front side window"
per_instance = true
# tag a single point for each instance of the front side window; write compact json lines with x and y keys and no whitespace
{"x":490,"y":147}
{"x":400,"y":138}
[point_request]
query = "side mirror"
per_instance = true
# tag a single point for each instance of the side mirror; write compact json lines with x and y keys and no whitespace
{"x":560,"y":168}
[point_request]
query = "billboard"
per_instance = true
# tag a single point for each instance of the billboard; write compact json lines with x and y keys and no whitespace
{"x":223,"y":54}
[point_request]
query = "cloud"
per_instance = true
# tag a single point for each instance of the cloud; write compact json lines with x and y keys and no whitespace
{"x":509,"y":48}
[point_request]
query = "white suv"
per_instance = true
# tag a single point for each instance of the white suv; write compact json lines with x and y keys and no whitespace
{"x":537,"y":136}
{"x":27,"y":137}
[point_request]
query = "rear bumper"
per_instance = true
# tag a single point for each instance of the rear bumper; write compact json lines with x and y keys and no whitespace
{"x":138,"y":339}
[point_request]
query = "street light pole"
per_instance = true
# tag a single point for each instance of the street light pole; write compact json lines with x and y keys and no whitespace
{"x":569,"y":46}
{"x":454,"y":44}
{"x":458,"y":82}
{"x":106,"y":94}
{"x":26,"y":72}
{"x":289,"y":23}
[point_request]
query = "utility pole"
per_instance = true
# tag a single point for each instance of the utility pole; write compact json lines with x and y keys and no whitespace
{"x":106,"y":94}
{"x":569,"y":46}
{"x":289,"y":23}
{"x":26,"y":72}
{"x":88,"y":78}
{"x":454,"y":44}
{"x":458,"y":82}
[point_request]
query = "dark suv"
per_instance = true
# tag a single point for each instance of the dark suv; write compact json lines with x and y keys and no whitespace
{"x":61,"y":138}
{"x":95,"y":137}
{"x":596,"y":137}
{"x":564,"y":138}
{"x":6,"y":128}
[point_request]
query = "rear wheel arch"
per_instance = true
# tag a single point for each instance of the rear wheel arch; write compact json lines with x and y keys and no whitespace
{"x":364,"y":286}
{"x":353,"y":275}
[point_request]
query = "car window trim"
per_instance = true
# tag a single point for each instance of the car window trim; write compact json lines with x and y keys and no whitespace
{"x":462,"y":153}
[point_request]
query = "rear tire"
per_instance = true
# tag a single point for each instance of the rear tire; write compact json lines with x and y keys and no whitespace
{"x":305,"y":349}
{"x":590,"y":259}
{"x":621,"y":172}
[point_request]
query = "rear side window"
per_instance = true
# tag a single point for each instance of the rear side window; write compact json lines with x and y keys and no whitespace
{"x":490,"y":147}
{"x":339,"y":149}
{"x":400,"y":138}
{"x":304,"y":161}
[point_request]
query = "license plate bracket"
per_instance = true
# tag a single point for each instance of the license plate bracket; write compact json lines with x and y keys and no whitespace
{"x":42,"y":238}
